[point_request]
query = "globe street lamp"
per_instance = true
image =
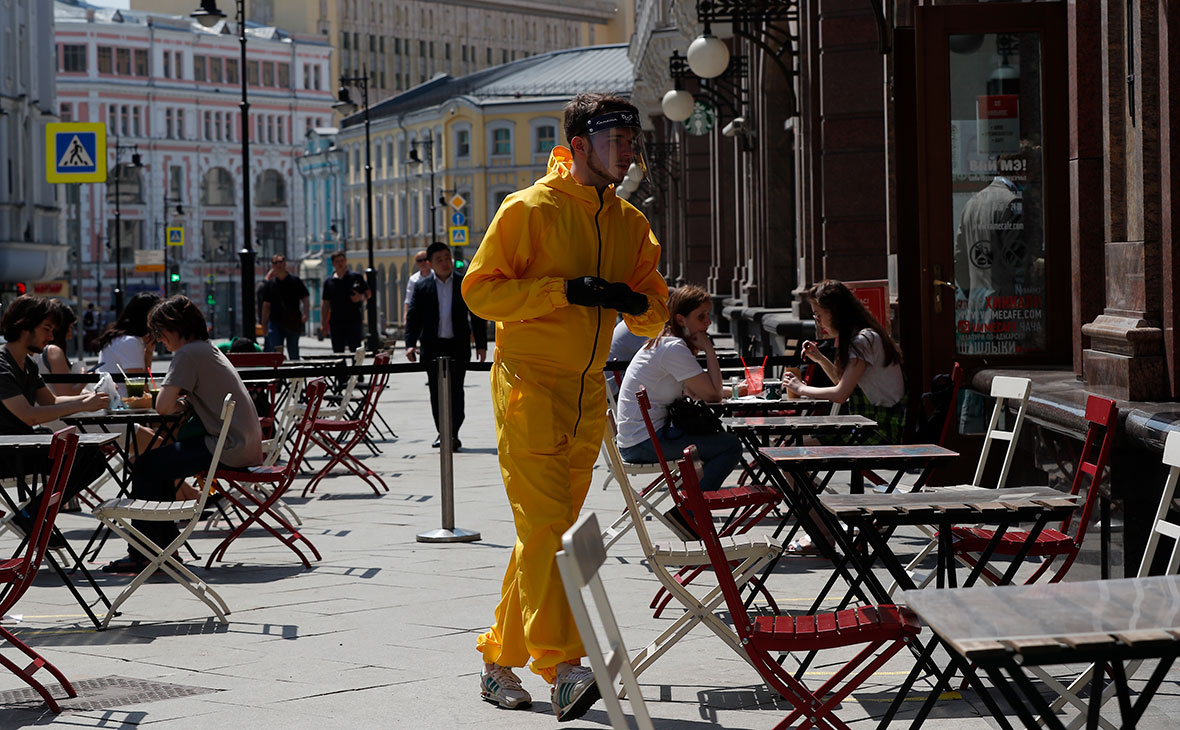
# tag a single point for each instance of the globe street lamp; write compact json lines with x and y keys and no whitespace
{"x":345,"y":105}
{"x":208,"y":15}
{"x":136,"y":163}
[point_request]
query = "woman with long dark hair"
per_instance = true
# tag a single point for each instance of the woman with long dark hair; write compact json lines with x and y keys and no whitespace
{"x":128,"y":344}
{"x":53,"y":358}
{"x":667,"y":367}
{"x":867,"y":369}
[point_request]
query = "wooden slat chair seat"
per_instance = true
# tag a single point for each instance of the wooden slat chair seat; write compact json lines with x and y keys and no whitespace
{"x":883,"y":630}
{"x":18,"y":572}
{"x":748,"y":504}
{"x":967,"y":542}
{"x":750,"y":555}
{"x":579,"y":561}
{"x":338,"y":437}
{"x":256,"y":491}
{"x":118,"y":514}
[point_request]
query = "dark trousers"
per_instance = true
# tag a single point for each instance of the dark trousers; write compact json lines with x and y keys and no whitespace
{"x":345,"y":335}
{"x":460,"y":353}
{"x":154,"y":478}
{"x":89,"y":463}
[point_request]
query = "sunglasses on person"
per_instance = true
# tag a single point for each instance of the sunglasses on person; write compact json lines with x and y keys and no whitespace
{"x":421,"y":261}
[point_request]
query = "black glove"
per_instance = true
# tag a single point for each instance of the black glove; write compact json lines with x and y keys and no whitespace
{"x":587,"y":291}
{"x":620,"y":296}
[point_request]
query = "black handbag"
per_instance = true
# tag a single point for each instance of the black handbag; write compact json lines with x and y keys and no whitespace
{"x":693,"y":417}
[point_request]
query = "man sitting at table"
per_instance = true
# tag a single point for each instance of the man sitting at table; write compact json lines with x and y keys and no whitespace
{"x":25,"y":402}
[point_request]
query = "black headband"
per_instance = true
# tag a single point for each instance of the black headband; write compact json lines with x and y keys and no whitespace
{"x":611,"y":120}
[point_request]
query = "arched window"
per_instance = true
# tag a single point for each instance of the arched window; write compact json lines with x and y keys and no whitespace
{"x":272,"y":189}
{"x":217,"y":187}
{"x":130,"y":184}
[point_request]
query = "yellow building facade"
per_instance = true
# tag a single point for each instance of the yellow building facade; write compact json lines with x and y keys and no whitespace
{"x":483,"y":136}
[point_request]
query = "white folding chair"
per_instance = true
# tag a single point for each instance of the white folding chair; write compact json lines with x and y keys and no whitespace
{"x":342,"y":409}
{"x":579,"y":560}
{"x":648,"y":499}
{"x":1161,"y":529}
{"x":1005,"y":389}
{"x":118,"y":514}
{"x":750,"y":553}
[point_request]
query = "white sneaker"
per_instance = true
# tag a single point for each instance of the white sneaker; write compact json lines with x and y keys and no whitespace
{"x":501,"y":686}
{"x":574,"y":691}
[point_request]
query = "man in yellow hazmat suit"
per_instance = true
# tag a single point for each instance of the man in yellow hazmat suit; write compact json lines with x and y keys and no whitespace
{"x":558,"y":260}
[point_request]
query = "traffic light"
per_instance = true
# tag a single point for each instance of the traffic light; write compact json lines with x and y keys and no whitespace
{"x":174,"y":276}
{"x":209,"y":298}
{"x":460,"y":255}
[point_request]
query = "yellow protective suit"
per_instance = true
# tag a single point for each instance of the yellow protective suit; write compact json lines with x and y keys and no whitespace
{"x":547,"y":383}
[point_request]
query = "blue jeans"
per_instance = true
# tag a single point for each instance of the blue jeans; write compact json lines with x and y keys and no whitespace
{"x":720,"y":453}
{"x":276,"y":336}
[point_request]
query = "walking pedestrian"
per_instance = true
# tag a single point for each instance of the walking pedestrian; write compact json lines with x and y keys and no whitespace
{"x":284,"y":308}
{"x":557,"y":262}
{"x":439,"y":319}
{"x":422,"y":262}
{"x":342,"y":304}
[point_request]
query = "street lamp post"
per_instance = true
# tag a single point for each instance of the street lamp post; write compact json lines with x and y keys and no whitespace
{"x":136,"y":162}
{"x":428,"y":143}
{"x":346,"y":105}
{"x":209,"y":15}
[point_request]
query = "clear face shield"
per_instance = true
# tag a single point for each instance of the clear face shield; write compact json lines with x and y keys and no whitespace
{"x":616,"y":142}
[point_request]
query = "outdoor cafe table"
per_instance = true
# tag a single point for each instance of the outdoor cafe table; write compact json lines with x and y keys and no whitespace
{"x":874,"y":517}
{"x":756,"y":432}
{"x":859,"y":459}
{"x":1005,"y":629}
{"x":11,"y":447}
{"x":747,"y":405}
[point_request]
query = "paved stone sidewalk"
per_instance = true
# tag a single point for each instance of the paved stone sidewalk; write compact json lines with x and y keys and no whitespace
{"x":381,"y":632}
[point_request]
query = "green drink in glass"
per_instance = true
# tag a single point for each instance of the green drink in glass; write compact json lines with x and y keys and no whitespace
{"x":135,"y":387}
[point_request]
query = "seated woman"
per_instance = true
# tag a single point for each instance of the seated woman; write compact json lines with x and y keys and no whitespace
{"x":201,"y":376}
{"x":128,"y":344}
{"x":867,"y":371}
{"x":53,"y":358}
{"x":667,"y":367}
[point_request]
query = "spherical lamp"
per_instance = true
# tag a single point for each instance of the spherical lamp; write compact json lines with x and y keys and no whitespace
{"x":677,"y":105}
{"x":708,"y":56}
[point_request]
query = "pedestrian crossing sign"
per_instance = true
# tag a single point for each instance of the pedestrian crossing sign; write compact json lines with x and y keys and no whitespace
{"x":458,"y":235}
{"x":175,"y":236}
{"x":75,"y":152}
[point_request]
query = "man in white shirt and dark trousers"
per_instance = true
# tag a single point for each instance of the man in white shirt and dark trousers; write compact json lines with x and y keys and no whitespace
{"x":438,"y":318}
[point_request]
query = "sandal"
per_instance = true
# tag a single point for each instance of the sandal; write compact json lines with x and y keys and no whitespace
{"x":802,"y":546}
{"x":126,"y":565}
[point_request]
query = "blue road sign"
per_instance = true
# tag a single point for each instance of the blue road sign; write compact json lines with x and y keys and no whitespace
{"x":458,"y":219}
{"x":75,"y":152}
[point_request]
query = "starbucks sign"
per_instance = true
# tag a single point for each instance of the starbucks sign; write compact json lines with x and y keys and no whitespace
{"x":702,"y":119}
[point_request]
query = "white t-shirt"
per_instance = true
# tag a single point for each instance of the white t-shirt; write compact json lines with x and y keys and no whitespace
{"x":883,"y":386}
{"x":125,"y":352}
{"x":662,"y":369}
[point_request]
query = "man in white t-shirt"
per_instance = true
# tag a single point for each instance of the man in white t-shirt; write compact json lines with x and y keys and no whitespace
{"x":422,"y":261}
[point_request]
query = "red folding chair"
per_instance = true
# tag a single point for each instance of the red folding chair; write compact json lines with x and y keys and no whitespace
{"x":255,"y":359}
{"x":263,"y":486}
{"x":882,"y":628}
{"x":18,"y":572}
{"x":748,"y":503}
{"x":338,"y":436}
{"x":1049,"y":544}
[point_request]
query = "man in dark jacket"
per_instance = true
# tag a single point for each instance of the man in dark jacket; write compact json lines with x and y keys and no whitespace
{"x":439,"y":319}
{"x":284,"y":308}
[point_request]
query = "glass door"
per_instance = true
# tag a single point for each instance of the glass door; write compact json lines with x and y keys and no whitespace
{"x":993,"y":218}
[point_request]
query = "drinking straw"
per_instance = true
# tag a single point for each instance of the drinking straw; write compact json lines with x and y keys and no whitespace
{"x":122,"y":371}
{"x":153,"y":379}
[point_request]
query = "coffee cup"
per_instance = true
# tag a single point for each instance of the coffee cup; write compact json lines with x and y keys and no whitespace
{"x":793,"y":371}
{"x":771,"y":390}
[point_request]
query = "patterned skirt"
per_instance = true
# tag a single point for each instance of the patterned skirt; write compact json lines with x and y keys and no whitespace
{"x":890,"y":422}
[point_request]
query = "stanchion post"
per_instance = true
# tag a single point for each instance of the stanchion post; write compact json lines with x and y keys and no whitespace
{"x":448,"y":532}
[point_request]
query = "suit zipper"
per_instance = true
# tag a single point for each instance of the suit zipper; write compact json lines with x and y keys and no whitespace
{"x":598,"y":320}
